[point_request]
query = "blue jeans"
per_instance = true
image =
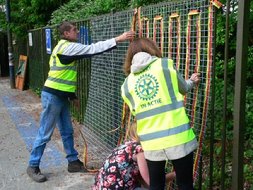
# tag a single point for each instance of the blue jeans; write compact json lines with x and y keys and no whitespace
{"x":55,"y":112}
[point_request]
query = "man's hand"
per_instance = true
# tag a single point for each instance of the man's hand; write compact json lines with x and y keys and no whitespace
{"x":195,"y":78}
{"x":125,"y":36}
{"x":76,"y":104}
{"x":170,"y":177}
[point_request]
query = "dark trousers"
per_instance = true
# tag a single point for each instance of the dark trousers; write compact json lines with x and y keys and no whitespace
{"x":184,"y":173}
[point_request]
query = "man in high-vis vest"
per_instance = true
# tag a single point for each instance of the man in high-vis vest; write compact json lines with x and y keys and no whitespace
{"x":58,"y":90}
{"x":154,"y":91}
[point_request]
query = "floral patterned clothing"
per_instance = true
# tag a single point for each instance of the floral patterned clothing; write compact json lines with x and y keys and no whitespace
{"x":120,"y":171}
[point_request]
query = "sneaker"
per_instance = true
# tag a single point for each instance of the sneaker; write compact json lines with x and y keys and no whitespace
{"x":35,"y":174}
{"x":76,"y":166}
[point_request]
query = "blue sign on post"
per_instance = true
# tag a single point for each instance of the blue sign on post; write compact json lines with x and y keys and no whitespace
{"x":48,"y":41}
{"x":84,"y":35}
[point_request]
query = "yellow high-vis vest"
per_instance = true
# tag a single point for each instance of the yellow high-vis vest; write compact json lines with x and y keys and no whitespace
{"x":154,"y":99}
{"x":61,"y":77}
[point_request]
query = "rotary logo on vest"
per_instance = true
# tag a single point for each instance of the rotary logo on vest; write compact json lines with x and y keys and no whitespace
{"x":147,"y":87}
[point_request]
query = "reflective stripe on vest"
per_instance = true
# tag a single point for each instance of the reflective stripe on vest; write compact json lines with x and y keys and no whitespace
{"x":164,"y":133}
{"x":61,"y":81}
{"x":162,"y":126}
{"x":61,"y":77}
{"x":129,"y":97}
{"x":55,"y":68}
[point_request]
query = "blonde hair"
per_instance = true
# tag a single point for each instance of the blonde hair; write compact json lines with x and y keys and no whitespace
{"x":131,"y":132}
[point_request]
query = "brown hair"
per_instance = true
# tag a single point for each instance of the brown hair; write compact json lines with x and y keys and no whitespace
{"x":140,"y":45}
{"x":131,"y":132}
{"x":65,"y":26}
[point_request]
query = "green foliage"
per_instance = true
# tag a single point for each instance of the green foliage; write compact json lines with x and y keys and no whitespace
{"x":37,"y":91}
{"x":26,"y":15}
{"x":219,"y":94}
{"x":79,"y":10}
{"x":138,"y":3}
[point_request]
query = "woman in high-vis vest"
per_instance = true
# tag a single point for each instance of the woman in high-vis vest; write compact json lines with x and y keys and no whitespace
{"x":58,"y":89}
{"x":154,"y":91}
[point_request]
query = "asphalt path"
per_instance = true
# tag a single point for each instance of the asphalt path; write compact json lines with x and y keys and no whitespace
{"x":19,"y":121}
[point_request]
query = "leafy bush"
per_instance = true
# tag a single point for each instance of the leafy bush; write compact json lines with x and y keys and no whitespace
{"x":79,"y":10}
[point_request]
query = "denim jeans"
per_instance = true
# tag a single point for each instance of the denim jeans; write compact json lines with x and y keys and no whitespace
{"x":55,"y":113}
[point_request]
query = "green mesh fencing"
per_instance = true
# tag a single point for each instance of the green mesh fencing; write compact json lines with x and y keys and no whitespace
{"x":37,"y":59}
{"x":104,"y":107}
{"x":184,"y":32}
{"x":83,"y":72}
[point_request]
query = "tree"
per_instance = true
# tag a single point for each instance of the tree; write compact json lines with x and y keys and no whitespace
{"x":82,"y":9}
{"x":29,"y":14}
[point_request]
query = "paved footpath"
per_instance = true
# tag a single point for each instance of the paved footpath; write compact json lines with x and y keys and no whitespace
{"x":19,"y":121}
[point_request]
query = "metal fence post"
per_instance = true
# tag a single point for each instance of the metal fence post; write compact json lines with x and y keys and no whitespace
{"x":240,"y":93}
{"x":10,"y":48}
{"x":224,"y":127}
